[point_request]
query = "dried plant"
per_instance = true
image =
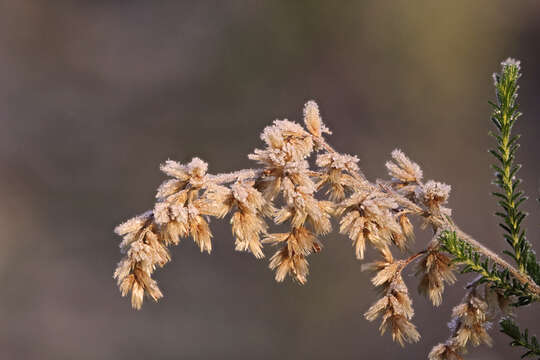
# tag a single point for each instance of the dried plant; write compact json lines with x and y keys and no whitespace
{"x":395,"y":306}
{"x":302,"y":181}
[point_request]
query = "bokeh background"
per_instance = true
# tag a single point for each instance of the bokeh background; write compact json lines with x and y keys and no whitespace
{"x":95,"y":94}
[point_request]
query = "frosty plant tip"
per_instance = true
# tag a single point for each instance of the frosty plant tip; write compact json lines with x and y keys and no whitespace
{"x":302,"y":181}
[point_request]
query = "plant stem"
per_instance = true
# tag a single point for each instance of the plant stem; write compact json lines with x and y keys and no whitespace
{"x":505,"y":114}
{"x":523,"y":278}
{"x":234,"y":176}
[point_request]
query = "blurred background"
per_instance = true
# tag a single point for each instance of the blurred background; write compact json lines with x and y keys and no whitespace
{"x":94,"y":95}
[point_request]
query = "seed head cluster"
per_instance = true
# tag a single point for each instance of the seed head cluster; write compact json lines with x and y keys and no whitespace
{"x":395,"y":307}
{"x":301,"y":182}
{"x":471,"y":320}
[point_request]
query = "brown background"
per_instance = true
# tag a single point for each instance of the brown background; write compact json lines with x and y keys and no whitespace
{"x":95,"y":94}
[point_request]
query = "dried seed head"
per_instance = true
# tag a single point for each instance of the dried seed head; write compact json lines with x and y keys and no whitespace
{"x":434,"y":193}
{"x":180,"y":211}
{"x":435,"y":268}
{"x":406,"y":227}
{"x":369,"y":214}
{"x":287,"y":143}
{"x":287,"y":173}
{"x":385,"y":270}
{"x":334,"y":173}
{"x":286,"y":263}
{"x":312,"y":119}
{"x":395,"y":307}
{"x":446,"y":351}
{"x":337,"y":161}
{"x":133,"y":225}
{"x":470,"y":322}
{"x":290,"y":259}
{"x":403,"y":171}
{"x":199,"y":230}
{"x":175,"y":169}
{"x":216,"y":201}
{"x":247,"y":222}
{"x":144,"y":251}
{"x":402,"y":329}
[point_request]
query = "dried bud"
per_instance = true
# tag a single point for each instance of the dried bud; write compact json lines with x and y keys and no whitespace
{"x":403,"y":171}
{"x":368,"y":215}
{"x":434,"y":193}
{"x":312,"y":119}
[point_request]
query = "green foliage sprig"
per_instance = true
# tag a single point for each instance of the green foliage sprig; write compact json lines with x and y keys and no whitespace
{"x":509,"y":327}
{"x":505,"y":115}
{"x":474,"y":261}
{"x":521,"y":284}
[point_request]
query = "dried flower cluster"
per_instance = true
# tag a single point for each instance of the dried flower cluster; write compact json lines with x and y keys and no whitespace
{"x":303,"y":182}
{"x":471,"y":321}
{"x":287,"y":174}
{"x":144,"y":249}
{"x":435,"y":268}
{"x":286,"y":189}
{"x":395,"y":306}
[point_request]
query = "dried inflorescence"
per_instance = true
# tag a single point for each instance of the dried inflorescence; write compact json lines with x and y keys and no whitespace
{"x":395,"y":306}
{"x":447,"y":351}
{"x":287,"y":189}
{"x":334,"y":174}
{"x":184,"y":204}
{"x":406,"y":175}
{"x":247,"y":222}
{"x":471,"y":321}
{"x":313,"y":120}
{"x":435,"y":194}
{"x":144,"y":250}
{"x":179,"y":209}
{"x":287,"y":173}
{"x":435,"y":269}
{"x":302,"y":182}
{"x":371,"y":214}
